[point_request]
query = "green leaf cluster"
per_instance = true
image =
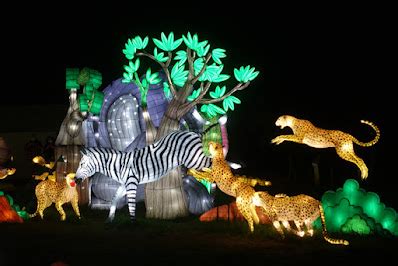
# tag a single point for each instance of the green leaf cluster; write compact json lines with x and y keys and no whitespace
{"x":245,"y":74}
{"x":90,"y":100}
{"x":167,"y":43}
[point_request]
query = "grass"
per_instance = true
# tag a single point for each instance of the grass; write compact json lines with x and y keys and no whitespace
{"x":185,"y":241}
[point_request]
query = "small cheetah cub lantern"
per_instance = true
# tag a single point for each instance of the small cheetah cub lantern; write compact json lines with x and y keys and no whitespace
{"x":49,"y":192}
{"x":306,"y":133}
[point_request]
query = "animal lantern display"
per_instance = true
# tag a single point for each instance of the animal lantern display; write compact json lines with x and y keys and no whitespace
{"x":42,"y":162}
{"x":49,"y":192}
{"x":280,"y":209}
{"x":246,"y":197}
{"x":6,"y":172}
{"x":179,"y":148}
{"x":306,"y":133}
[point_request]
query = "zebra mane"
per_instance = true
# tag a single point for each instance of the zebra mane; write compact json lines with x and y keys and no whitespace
{"x":92,"y":150}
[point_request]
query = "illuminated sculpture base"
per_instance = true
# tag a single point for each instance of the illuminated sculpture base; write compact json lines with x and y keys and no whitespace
{"x":7,"y":213}
{"x":306,"y":133}
{"x":49,"y":192}
{"x":353,"y":210}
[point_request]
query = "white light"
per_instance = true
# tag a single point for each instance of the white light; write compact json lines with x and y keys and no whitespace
{"x":222,"y":120}
{"x":198,"y":117}
{"x":234,"y":165}
{"x":96,"y":134}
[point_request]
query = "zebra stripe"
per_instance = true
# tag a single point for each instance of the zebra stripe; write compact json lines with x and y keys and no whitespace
{"x":145,"y":165}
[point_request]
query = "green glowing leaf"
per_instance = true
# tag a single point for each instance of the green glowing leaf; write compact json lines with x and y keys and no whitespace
{"x":72,"y":75}
{"x":159,"y":56}
{"x":96,"y":103}
{"x":171,"y":44}
{"x":127,"y":77}
{"x":218,"y":93}
{"x":144,"y":83}
{"x":198,"y":65}
{"x":132,"y":67}
{"x":160,"y":44}
{"x":211,"y":110}
{"x":139,"y":43}
{"x":211,"y":73}
{"x":166,"y":90}
{"x":152,"y":78}
{"x":182,"y":56}
{"x":218,"y":53}
{"x":167,"y":44}
{"x":129,"y":50}
{"x":221,"y":78}
{"x":194,"y":95}
{"x":179,"y":75}
{"x":245,"y":74}
{"x":191,"y":41}
{"x":203,"y":50}
{"x":229,"y":102}
{"x":83,"y":103}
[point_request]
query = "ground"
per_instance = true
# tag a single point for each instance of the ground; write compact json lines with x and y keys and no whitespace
{"x":178,"y":242}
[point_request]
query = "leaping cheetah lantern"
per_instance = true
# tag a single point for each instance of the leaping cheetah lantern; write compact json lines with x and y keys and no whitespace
{"x":306,"y":133}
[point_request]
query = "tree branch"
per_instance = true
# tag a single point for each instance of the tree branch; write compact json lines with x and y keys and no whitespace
{"x":238,"y":87}
{"x":170,"y":55}
{"x":189,"y":105}
{"x":165,"y":69}
{"x":190,"y":60}
{"x":202,"y":70}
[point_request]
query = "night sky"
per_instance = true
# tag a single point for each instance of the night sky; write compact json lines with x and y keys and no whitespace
{"x":332,"y":67}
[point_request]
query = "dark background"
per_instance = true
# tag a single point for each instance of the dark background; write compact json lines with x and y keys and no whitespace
{"x":332,"y":65}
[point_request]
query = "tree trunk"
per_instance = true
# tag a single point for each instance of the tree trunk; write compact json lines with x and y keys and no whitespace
{"x":165,"y":198}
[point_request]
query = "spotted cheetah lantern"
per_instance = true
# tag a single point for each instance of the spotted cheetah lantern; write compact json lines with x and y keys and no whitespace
{"x":306,"y":133}
{"x":49,"y":192}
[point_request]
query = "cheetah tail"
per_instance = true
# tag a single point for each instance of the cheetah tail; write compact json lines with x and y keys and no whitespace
{"x":325,"y":233}
{"x":372,"y":142}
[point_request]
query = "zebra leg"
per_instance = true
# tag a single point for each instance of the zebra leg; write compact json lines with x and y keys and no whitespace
{"x":131,"y":192}
{"x":118,"y":195}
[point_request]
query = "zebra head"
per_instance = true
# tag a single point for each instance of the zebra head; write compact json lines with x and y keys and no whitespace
{"x":86,"y":166}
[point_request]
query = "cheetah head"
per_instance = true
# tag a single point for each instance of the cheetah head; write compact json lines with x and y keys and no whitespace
{"x":215,"y":148}
{"x":69,"y":178}
{"x":284,"y":121}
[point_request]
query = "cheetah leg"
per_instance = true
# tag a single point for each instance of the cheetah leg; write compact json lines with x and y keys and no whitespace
{"x":61,"y":211}
{"x":299,"y":232}
{"x":75,"y":205}
{"x":346,"y":152}
{"x":254,"y":214}
{"x":244,"y":209}
{"x":278,"y":228}
{"x":308,"y":224}
{"x":41,"y":206}
{"x":294,"y":138}
{"x":287,"y":225}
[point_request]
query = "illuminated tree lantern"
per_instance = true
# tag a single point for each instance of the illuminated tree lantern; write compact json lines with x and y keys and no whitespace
{"x":187,"y":82}
{"x":70,"y":138}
